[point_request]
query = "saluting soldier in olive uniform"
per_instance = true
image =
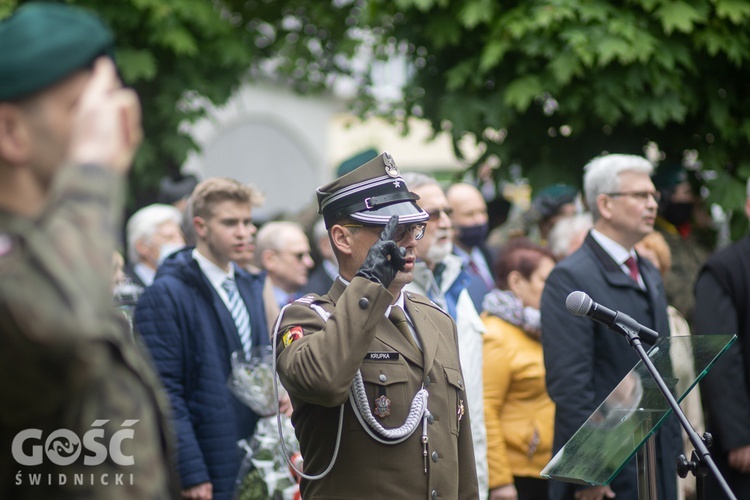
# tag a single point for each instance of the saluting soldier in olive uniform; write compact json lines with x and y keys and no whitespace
{"x":396,"y":383}
{"x":82,"y":415}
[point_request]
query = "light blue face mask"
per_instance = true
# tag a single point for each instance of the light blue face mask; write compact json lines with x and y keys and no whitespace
{"x":168,"y":249}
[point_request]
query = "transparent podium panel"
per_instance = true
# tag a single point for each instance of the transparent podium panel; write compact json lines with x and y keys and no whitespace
{"x":634,"y":410}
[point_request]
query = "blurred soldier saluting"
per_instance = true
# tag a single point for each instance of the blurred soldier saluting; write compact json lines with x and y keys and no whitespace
{"x":82,"y":413}
{"x":384,"y":361}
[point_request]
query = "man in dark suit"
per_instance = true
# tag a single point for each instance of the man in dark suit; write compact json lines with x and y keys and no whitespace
{"x":371,"y":355}
{"x":585,"y":360}
{"x":722,"y":295}
{"x":200,"y":309}
{"x":283,"y":251}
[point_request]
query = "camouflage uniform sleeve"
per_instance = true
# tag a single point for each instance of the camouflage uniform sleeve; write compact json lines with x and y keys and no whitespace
{"x":79,"y":228}
{"x":54,"y":286}
{"x":67,"y":358}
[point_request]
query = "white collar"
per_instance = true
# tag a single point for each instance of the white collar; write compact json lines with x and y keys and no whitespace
{"x":399,"y":303}
{"x":214,"y":273}
{"x":618,"y":252}
{"x":145,"y":273}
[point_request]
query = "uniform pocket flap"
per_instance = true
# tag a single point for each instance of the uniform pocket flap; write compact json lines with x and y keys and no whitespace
{"x":454,"y":377}
{"x":384,"y":373}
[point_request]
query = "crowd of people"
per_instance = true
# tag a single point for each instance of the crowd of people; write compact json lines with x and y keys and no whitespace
{"x":420,"y":353}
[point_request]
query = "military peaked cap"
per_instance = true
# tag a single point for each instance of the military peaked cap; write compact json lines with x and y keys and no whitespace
{"x":370,"y":194}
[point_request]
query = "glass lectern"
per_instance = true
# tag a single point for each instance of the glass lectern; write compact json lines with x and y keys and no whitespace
{"x":633,"y":412}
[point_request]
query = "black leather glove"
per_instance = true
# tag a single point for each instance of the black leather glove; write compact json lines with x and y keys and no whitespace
{"x":378,"y":267}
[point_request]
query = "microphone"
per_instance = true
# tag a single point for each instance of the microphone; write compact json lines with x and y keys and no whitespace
{"x":580,"y":304}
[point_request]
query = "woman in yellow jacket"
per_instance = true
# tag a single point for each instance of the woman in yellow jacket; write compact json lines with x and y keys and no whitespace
{"x":518,"y":411}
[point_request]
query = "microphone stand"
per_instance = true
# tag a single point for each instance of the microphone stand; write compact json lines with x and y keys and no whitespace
{"x":701,"y":459}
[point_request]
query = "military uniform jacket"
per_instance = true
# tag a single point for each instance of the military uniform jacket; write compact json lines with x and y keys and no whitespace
{"x":318,"y":368}
{"x":67,"y":359}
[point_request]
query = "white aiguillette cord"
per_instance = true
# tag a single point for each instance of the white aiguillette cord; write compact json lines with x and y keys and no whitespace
{"x":361,"y":407}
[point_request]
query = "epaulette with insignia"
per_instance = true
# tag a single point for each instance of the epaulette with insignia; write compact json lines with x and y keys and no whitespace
{"x":306,"y":299}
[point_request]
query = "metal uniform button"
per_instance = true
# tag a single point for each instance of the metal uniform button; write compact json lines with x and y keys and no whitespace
{"x":427,"y":381}
{"x":382,"y":377}
{"x":435,"y":456}
{"x":364,"y":303}
{"x":434,"y":495}
{"x":430,"y":418}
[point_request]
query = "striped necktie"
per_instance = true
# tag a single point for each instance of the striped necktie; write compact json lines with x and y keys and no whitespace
{"x":239,"y":313}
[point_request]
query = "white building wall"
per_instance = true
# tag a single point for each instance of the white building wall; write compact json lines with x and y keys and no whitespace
{"x":286,"y":145}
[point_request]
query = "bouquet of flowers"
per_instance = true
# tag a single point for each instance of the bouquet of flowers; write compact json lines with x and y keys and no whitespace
{"x":264,"y":474}
{"x":252,"y":380}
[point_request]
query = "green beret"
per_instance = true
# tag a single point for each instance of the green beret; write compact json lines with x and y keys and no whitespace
{"x":43,"y":43}
{"x":668,"y":176}
{"x":355,"y":161}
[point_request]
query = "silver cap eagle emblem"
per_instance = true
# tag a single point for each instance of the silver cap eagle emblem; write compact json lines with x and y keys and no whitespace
{"x":390,"y":164}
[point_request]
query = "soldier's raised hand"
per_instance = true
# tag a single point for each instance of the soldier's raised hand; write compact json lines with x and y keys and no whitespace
{"x":107,"y":124}
{"x":385,"y":258}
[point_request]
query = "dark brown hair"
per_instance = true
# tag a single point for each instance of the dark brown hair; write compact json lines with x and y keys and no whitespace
{"x":520,"y":255}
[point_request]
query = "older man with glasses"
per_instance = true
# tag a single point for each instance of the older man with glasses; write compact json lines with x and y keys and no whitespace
{"x":373,"y":372}
{"x":583,"y":359}
{"x":440,"y":275}
{"x":282,"y":249}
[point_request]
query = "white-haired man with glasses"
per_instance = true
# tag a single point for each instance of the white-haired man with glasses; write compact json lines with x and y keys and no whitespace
{"x":584,"y":360}
{"x":373,"y":372}
{"x":282,"y":249}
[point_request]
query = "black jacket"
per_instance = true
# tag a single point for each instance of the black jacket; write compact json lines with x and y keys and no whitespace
{"x":722,"y":307}
{"x":585,"y":360}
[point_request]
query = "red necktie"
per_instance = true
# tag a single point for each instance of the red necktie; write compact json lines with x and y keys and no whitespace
{"x":633,"y":267}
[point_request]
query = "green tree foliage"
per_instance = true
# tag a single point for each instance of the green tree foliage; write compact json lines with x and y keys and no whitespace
{"x":183,"y":55}
{"x":542,"y":84}
{"x":169,"y":50}
{"x":549,"y":84}
{"x":172,"y":51}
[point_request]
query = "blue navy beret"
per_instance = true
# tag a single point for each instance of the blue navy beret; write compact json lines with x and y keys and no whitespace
{"x":43,"y":43}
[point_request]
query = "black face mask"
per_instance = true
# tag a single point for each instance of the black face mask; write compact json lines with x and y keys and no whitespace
{"x":472,"y":236}
{"x":678,"y":213}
